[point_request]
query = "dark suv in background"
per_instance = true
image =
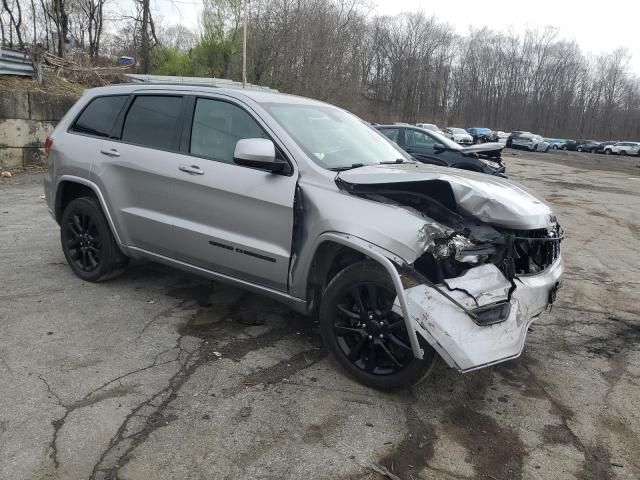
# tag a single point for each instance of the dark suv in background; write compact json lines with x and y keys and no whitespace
{"x":431,"y":147}
{"x":581,"y":145}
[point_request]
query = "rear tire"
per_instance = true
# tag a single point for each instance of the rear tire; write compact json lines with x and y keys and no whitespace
{"x":362,"y":333}
{"x":623,"y":152}
{"x":87,"y":242}
{"x":564,"y":147}
{"x":555,"y":147}
{"x":607,"y":151}
{"x":579,"y":149}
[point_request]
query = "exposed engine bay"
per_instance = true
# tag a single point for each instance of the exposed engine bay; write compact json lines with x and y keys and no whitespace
{"x":456,"y":241}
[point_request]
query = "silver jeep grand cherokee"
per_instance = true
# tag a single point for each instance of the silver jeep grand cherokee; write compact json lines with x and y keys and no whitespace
{"x":302,"y":201}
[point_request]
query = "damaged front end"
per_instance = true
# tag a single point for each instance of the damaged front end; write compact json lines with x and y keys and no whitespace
{"x":482,"y":274}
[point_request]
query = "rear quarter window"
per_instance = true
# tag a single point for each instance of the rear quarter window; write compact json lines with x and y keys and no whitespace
{"x":99,"y":116}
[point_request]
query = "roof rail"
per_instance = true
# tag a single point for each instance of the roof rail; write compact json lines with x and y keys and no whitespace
{"x":192,"y":81}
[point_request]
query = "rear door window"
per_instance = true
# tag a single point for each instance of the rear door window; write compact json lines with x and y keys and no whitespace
{"x":99,"y":116}
{"x":390,"y":133}
{"x":154,"y":121}
{"x":217,"y":127}
{"x":418,"y":139}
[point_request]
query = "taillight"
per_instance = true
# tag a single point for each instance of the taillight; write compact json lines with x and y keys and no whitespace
{"x":48,"y":143}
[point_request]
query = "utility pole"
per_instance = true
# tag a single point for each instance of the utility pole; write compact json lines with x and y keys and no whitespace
{"x":244,"y":44}
{"x":145,"y":37}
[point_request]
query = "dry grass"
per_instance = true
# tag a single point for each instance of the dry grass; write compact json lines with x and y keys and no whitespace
{"x":52,"y":84}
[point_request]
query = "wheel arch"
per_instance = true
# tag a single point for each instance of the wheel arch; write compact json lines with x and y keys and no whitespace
{"x":330,"y":247}
{"x":69,"y":187}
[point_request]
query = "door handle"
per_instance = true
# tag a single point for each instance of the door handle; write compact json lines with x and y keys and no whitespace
{"x":192,"y":169}
{"x":110,"y":153}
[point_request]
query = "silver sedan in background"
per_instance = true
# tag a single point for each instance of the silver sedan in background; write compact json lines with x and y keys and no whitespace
{"x":531,"y":142}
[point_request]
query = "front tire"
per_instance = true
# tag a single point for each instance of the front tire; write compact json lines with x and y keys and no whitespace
{"x":623,"y":153}
{"x":369,"y":340}
{"x":87,"y":242}
{"x":607,"y":151}
{"x":579,"y":149}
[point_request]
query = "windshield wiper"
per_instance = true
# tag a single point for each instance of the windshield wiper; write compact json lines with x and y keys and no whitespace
{"x":342,"y":169}
{"x":396,"y":161}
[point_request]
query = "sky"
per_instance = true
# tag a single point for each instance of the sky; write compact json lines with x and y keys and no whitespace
{"x":595,"y":28}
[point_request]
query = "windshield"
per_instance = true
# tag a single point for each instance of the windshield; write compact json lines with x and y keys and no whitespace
{"x":333,"y":138}
{"x":458,"y":130}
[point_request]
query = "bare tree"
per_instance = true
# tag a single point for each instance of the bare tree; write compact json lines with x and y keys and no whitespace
{"x":14,"y":10}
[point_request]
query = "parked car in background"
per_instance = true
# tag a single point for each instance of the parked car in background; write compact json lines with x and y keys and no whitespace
{"x":623,"y":148}
{"x":581,"y":145}
{"x":432,"y":147}
{"x":502,"y":136}
{"x":481,"y":135}
{"x":300,"y":201}
{"x":429,"y":126}
{"x":603,"y":146}
{"x":458,"y":135}
{"x":515,"y":134}
{"x":531,"y":142}
{"x":588,"y":146}
{"x":555,"y":143}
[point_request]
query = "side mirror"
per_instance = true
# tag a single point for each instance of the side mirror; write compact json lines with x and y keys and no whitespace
{"x":258,"y":153}
{"x":439,"y":147}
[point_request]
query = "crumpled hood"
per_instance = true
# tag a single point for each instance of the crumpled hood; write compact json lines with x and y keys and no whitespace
{"x":491,"y":199}
{"x":483,"y":147}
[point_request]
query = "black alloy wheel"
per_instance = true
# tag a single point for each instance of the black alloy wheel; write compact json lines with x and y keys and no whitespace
{"x":370,"y":335}
{"x":83,"y":242}
{"x":365,"y":335}
{"x":87,"y":242}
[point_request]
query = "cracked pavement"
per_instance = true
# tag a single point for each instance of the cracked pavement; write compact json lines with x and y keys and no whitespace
{"x":160,"y":374}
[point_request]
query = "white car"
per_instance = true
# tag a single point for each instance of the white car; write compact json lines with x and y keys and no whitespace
{"x":623,"y":148}
{"x":502,"y":136}
{"x":458,"y":135}
{"x":429,"y":126}
{"x":531,"y":142}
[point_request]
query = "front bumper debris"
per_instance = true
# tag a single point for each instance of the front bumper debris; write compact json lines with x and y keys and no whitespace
{"x":497,"y":329}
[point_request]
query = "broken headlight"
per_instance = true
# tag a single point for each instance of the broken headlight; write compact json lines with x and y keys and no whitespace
{"x":464,"y":250}
{"x":494,"y":165}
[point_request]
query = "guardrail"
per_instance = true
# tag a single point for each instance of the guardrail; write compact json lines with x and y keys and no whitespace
{"x":13,"y":62}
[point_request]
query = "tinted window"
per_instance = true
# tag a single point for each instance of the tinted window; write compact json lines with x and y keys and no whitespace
{"x":217,"y":127}
{"x":100,"y":115}
{"x":153,"y":121}
{"x":413,"y":138}
{"x":390,"y":133}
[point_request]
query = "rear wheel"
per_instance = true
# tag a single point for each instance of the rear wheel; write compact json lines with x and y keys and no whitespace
{"x":362,"y":332}
{"x":87,"y":242}
{"x":607,"y":151}
{"x":555,"y":147}
{"x":564,"y":147}
{"x":579,"y":149}
{"x":623,"y":152}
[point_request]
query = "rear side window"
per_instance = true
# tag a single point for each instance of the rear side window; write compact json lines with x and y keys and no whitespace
{"x":99,"y":116}
{"x":390,"y":133}
{"x":217,"y":127}
{"x":414,"y":138}
{"x":153,"y":121}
